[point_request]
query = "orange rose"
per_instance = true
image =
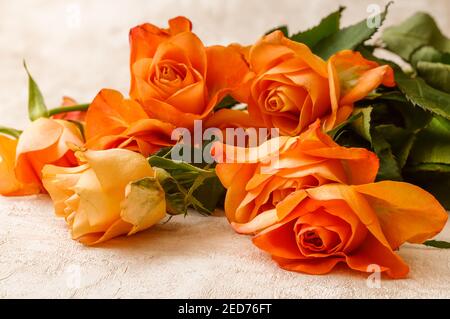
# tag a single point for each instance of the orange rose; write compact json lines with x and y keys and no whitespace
{"x":259,"y":178}
{"x":9,"y":185}
{"x":45,"y":141}
{"x":312,"y":230}
{"x":293,"y":87}
{"x":115,"y":122}
{"x":177,"y":79}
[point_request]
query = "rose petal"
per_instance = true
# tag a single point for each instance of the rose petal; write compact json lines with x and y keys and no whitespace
{"x":372,"y":254}
{"x":314,"y":266}
{"x":406,"y":212}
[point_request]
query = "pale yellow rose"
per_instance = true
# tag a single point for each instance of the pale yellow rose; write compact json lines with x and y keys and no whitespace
{"x":114,"y":192}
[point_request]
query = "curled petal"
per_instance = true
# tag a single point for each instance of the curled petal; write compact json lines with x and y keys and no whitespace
{"x":258,"y":223}
{"x":406,"y":212}
{"x":357,"y":76}
{"x":227,"y":69}
{"x":115,"y":122}
{"x":132,"y":166}
{"x":9,"y":185}
{"x":313,"y":266}
{"x":45,"y":141}
{"x":372,"y":256}
{"x":356,"y":201}
{"x":274,"y":48}
{"x":118,"y":228}
{"x":109,"y":112}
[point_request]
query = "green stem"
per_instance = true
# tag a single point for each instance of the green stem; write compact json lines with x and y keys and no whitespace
{"x":67,"y":109}
{"x":10,"y":131}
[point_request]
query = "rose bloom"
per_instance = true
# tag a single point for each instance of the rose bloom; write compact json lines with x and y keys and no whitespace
{"x":45,"y":141}
{"x":292,"y":87}
{"x":115,"y":122}
{"x":9,"y":185}
{"x":258,"y":178}
{"x":114,"y":192}
{"x":175,"y":77}
{"x":314,"y":229}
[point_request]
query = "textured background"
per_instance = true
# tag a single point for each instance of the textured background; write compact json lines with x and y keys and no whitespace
{"x":76,"y":48}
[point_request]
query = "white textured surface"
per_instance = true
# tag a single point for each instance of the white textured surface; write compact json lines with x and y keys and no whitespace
{"x":196,"y":257}
{"x":192,"y":257}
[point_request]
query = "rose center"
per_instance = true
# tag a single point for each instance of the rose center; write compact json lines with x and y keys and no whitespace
{"x":277,"y":101}
{"x":316,"y":239}
{"x":311,"y":238}
{"x":171,"y":73}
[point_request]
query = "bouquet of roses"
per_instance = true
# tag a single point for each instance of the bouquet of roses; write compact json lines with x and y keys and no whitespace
{"x":307,"y":140}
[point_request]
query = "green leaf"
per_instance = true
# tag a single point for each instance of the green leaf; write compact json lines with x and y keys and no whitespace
{"x":437,"y":243}
{"x":174,"y":192}
{"x":429,"y":54}
{"x":363,"y":124}
{"x":10,"y":131}
{"x":435,"y":178}
{"x":433,"y":143}
{"x":226,"y":103}
{"x":282,"y":28}
{"x":414,"y":118}
{"x":163,"y":152}
{"x":435,"y":74}
{"x":178,"y":166}
{"x":335,"y":132}
{"x":418,"y":92}
{"x":36,"y":104}
{"x":396,"y":96}
{"x":327,"y":26}
{"x":431,"y":167}
{"x":389,"y":167}
{"x":210,"y":193}
{"x":400,"y":140}
{"x":349,"y":138}
{"x":187,"y":185}
{"x":429,"y":162}
{"x":417,"y":31}
{"x":349,"y":37}
{"x":363,"y":127}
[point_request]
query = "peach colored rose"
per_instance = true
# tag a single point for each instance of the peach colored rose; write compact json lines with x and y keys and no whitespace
{"x":9,"y":185}
{"x":115,"y":122}
{"x":258,"y":178}
{"x":114,"y":192}
{"x":45,"y":141}
{"x":292,"y":87}
{"x":314,"y":229}
{"x":176,"y":78}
